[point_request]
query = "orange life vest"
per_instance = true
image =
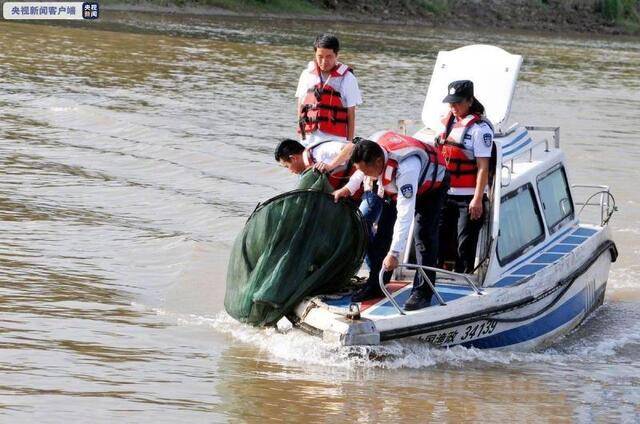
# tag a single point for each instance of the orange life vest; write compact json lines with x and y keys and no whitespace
{"x":322,"y":108}
{"x":461,"y":162}
{"x":399,"y":147}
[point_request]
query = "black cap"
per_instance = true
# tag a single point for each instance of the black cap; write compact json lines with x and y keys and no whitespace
{"x":459,"y":91}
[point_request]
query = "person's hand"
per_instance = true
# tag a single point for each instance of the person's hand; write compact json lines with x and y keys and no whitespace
{"x":390,"y":263}
{"x":323,"y":167}
{"x":475,"y":208}
{"x":338,"y":194}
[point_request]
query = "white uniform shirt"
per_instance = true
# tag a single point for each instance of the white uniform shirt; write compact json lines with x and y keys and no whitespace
{"x":349,"y":93}
{"x":405,"y":183}
{"x":327,"y":152}
{"x":479,"y":139}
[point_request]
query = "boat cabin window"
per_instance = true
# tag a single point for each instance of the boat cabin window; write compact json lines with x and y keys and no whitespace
{"x":555,"y":197}
{"x":520,"y":224}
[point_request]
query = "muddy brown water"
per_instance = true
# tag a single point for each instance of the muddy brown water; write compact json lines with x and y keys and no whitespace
{"x":134,"y":148}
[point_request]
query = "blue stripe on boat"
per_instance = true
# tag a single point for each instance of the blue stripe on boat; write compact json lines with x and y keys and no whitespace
{"x":558,"y":317}
{"x":387,"y":308}
{"x":517,"y":148}
{"x":585,"y":232}
{"x":555,"y":250}
{"x":562,"y":248}
{"x":573,"y":240}
{"x":447,"y":291}
{"x":507,"y":281}
{"x":540,"y":249}
{"x":515,"y":140}
{"x":528,"y":269}
{"x":547,"y":258}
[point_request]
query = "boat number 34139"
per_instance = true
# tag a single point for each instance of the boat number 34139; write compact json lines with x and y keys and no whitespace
{"x":469,"y":332}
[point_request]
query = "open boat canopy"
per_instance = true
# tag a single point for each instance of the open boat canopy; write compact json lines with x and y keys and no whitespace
{"x":494,"y":73}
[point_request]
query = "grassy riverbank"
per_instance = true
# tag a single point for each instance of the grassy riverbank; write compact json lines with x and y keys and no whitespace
{"x":596,"y":16}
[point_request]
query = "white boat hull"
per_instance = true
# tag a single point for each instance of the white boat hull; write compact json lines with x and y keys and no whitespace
{"x":526,"y":314}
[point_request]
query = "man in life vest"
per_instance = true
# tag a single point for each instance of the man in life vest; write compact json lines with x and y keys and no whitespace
{"x":412,"y":178}
{"x":327,"y":94}
{"x":292,"y":155}
{"x":466,"y":142}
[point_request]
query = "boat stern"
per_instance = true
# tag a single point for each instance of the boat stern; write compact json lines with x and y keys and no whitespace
{"x":342,"y":326}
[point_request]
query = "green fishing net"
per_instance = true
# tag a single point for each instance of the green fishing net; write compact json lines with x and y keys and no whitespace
{"x":293,"y":245}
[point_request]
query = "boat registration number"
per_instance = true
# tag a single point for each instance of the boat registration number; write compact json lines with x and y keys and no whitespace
{"x":469,"y":332}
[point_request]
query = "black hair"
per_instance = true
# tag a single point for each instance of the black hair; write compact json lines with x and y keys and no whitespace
{"x":476,"y":107}
{"x":327,"y":41}
{"x":367,"y":151}
{"x":286,"y":148}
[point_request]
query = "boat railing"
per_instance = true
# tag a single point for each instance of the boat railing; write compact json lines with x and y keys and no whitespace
{"x":404,"y":123}
{"x":606,"y":203}
{"x":422,"y":269}
{"x":554,"y":130}
{"x":529,"y":150}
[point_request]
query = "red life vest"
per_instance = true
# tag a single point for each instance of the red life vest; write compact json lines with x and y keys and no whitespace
{"x":461,"y":162}
{"x":322,"y":107}
{"x":339,"y":176}
{"x":399,"y":147}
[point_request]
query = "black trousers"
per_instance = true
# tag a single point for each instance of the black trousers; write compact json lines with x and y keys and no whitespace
{"x":426,"y":236}
{"x":459,"y":229}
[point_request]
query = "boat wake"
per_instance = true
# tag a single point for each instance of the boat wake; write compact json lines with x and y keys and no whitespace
{"x":586,"y":344}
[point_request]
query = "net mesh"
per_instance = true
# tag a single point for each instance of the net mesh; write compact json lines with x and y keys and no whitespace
{"x":293,"y":245}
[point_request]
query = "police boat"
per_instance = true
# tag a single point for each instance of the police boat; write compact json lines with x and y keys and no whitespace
{"x":543,"y":256}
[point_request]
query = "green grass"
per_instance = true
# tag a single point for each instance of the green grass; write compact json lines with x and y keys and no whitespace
{"x":434,"y":6}
{"x":269,"y":6}
{"x":620,"y":10}
{"x":275,"y":6}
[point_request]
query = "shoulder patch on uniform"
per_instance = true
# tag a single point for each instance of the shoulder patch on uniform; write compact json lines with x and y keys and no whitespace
{"x":487,"y":138}
{"x":407,"y":191}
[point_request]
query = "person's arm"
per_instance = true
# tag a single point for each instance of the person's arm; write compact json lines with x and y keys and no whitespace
{"x":407,"y":181}
{"x":475,"y":207}
{"x":351,"y":122}
{"x":301,"y":92}
{"x":354,"y":183}
{"x":482,"y":145}
{"x":343,"y":157}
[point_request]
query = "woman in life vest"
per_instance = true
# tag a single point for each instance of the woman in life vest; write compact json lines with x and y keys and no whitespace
{"x":466,"y":142}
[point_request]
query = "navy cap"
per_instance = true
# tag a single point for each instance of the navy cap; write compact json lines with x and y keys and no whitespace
{"x":459,"y":91}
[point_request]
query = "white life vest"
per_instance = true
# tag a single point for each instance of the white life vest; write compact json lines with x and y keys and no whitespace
{"x":339,"y":176}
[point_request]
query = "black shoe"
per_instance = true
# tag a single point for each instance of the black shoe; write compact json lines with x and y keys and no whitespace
{"x":416,"y":301}
{"x":366,"y":292}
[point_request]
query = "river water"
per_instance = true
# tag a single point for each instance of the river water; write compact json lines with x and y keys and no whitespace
{"x":134,"y":148}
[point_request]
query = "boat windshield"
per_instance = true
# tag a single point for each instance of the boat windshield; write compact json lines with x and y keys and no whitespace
{"x":520,"y":224}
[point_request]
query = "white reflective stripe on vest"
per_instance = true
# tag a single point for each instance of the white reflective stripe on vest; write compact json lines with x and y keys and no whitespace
{"x":427,"y":167}
{"x":309,"y":158}
{"x":459,"y":131}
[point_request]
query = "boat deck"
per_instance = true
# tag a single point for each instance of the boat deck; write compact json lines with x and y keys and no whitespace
{"x":545,"y":255}
{"x":400,"y":290}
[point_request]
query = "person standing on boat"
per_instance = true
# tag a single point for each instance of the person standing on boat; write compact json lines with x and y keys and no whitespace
{"x":413,"y":179}
{"x":327,"y":96}
{"x":466,"y":142}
